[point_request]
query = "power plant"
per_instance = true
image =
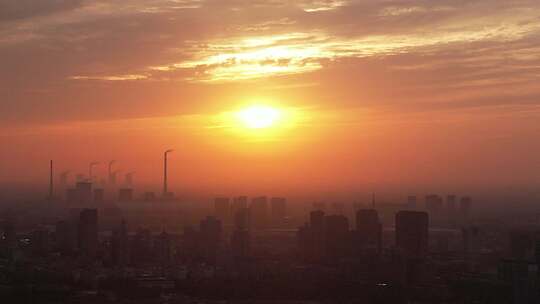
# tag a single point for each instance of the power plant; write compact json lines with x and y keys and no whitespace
{"x":90,"y":181}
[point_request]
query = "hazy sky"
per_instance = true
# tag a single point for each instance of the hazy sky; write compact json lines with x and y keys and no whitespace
{"x":422,"y":94}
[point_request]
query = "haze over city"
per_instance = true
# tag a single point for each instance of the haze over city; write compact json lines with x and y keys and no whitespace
{"x":309,"y":151}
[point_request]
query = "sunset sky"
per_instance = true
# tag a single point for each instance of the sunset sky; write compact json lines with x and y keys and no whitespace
{"x":419,"y":95}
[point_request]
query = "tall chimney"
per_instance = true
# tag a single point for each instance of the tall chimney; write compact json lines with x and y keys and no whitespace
{"x":51,"y":180}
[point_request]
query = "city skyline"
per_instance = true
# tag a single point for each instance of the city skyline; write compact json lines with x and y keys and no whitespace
{"x":270,"y":151}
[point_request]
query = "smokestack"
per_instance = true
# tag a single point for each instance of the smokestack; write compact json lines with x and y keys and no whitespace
{"x":51,"y":181}
{"x":165,"y":190}
{"x":111,"y":178}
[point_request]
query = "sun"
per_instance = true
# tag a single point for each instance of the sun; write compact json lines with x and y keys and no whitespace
{"x":259,"y":117}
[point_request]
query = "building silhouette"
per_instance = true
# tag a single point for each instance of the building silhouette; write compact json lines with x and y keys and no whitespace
{"x":210,"y":238}
{"x":190,"y":245}
{"x":241,"y":237}
{"x":368,"y":230}
{"x":120,"y":245}
{"x":88,"y":232}
{"x":259,"y":212}
{"x":278,"y":207}
{"x":238,"y":203}
{"x":163,"y":249}
{"x":336,"y":236}
{"x":311,"y":237}
{"x":66,"y":237}
{"x":412,"y":233}
{"x":142,"y":251}
{"x":434,"y":204}
{"x":222,"y":209}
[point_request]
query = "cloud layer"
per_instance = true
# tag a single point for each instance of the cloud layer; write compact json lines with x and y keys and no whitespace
{"x":64,"y":54}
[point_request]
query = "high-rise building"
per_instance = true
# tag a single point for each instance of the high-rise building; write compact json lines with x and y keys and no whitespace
{"x":240,"y":244}
{"x":163,"y":248}
{"x":279,"y":210}
{"x":316,"y":221}
{"x":88,"y":232}
{"x":190,"y":243}
{"x":210,"y":238}
{"x":324,"y":237}
{"x":241,"y":237}
{"x":66,"y":237}
{"x":336,"y":233}
{"x":522,"y":276}
{"x":471,"y":240}
{"x":303,"y":239}
{"x":242,"y":219}
{"x":434,"y":204}
{"x":120,"y":245}
{"x":369,"y":229}
{"x":412,"y":233}
{"x":523,"y":244}
{"x":240,"y":202}
{"x":222,"y":209}
{"x":317,"y":241}
{"x":259,"y":212}
{"x":142,"y":251}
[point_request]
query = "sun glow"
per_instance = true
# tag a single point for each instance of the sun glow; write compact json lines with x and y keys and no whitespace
{"x":261,"y":121}
{"x":259,"y":117}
